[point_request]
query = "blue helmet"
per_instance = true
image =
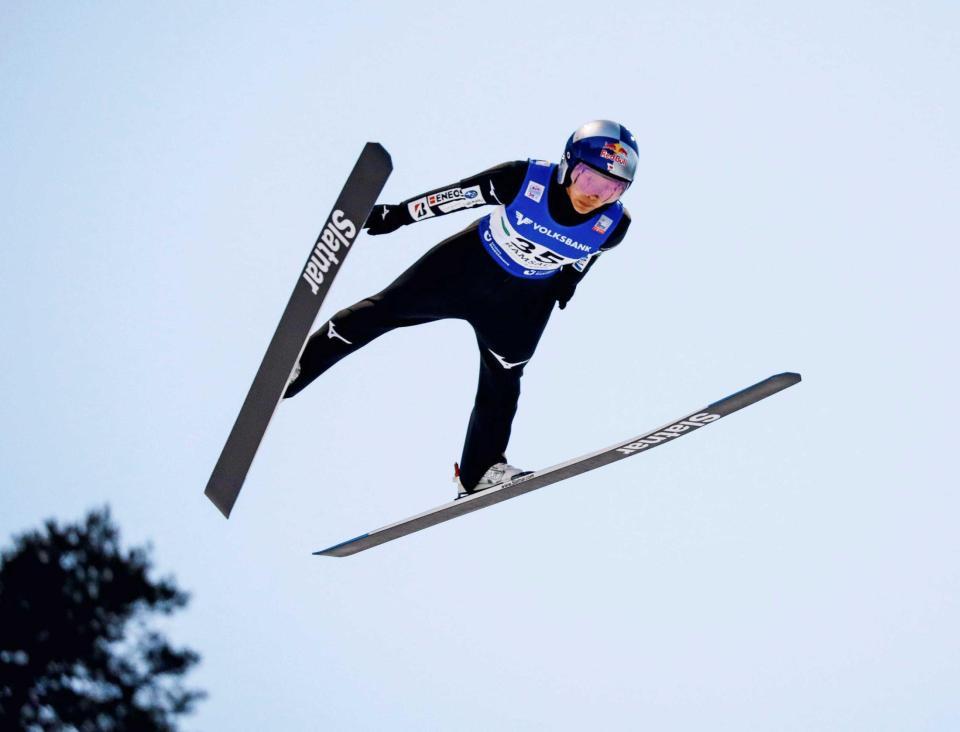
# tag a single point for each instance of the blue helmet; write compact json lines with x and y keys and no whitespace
{"x":604,"y":145}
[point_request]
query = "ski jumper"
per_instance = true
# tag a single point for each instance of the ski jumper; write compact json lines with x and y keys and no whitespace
{"x":502,"y":274}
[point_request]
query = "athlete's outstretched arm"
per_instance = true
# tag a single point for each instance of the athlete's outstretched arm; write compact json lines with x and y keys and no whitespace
{"x":497,"y":185}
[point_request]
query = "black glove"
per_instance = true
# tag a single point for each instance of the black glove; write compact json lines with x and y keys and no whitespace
{"x":386,"y":218}
{"x":564,"y":287}
{"x":564,"y":294}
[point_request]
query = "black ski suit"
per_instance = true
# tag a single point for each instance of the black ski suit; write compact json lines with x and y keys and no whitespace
{"x":458,"y":279}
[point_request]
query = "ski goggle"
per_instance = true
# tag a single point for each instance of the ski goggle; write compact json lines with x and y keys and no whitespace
{"x":592,"y":182}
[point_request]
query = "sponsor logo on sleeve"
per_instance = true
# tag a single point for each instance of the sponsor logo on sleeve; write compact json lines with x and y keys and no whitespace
{"x":534,"y":191}
{"x":668,"y":433}
{"x":338,"y":232}
{"x":419,"y":209}
{"x":451,"y":194}
{"x":472,"y":195}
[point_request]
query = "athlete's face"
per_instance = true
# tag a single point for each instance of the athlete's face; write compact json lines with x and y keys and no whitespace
{"x":590,"y":189}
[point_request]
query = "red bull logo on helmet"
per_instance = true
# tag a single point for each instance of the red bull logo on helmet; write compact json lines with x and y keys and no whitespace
{"x":615,"y":152}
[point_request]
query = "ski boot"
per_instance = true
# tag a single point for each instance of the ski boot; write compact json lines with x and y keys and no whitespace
{"x":495,"y":475}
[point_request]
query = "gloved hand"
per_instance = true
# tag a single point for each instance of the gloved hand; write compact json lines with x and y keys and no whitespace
{"x":386,"y":218}
{"x":564,"y":290}
{"x":565,"y":295}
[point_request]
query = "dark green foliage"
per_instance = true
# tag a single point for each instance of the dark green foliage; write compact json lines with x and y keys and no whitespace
{"x":75,"y":649}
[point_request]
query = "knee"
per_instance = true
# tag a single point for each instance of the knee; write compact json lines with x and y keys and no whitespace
{"x":356,"y":312}
{"x":353,"y":322}
{"x":499,"y":395}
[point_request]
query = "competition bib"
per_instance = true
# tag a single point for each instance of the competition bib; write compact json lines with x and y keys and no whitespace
{"x":524,"y":239}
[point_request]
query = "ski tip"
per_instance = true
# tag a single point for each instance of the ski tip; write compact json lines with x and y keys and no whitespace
{"x":788,"y":377}
{"x":761,"y":390}
{"x":776,"y":382}
{"x":375,"y":148}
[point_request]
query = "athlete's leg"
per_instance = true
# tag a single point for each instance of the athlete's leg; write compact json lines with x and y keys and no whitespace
{"x":429,"y":290}
{"x":506,"y":345}
{"x":346,"y":332}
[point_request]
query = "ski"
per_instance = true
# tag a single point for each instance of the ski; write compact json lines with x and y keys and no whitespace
{"x":539,"y":479}
{"x":350,"y":211}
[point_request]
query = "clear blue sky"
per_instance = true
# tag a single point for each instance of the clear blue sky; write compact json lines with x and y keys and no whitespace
{"x":164,"y":172}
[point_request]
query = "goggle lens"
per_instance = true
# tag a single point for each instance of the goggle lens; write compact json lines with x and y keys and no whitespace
{"x":592,"y":182}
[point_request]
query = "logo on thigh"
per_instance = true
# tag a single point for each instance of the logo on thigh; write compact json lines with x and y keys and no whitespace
{"x":503,"y":362}
{"x":332,"y":333}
